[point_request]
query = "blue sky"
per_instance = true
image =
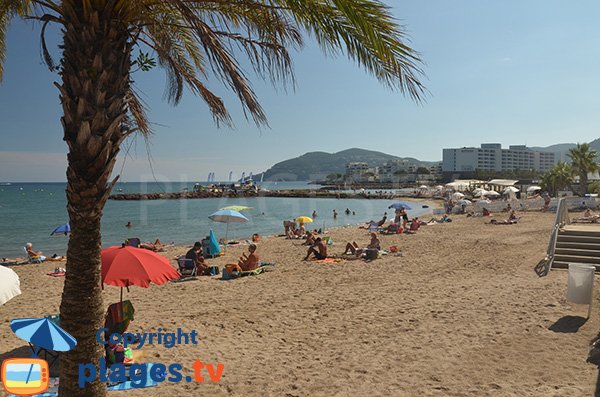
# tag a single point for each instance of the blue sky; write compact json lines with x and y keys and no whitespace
{"x":514,"y":72}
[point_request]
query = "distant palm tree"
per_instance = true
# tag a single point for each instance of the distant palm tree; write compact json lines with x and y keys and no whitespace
{"x":559,"y":177}
{"x":194,"y":41}
{"x":583,"y":158}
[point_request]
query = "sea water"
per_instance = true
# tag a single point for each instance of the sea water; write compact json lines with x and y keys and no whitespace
{"x":29,"y":212}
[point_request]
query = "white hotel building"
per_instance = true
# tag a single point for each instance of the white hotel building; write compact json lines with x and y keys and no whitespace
{"x":491,"y":157}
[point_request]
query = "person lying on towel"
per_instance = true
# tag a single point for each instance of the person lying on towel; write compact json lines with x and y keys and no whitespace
{"x":318,"y":249}
{"x":249,"y":262}
{"x":353,"y":247}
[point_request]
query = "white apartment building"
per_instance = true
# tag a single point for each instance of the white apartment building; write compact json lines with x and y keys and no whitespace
{"x":361,"y":172}
{"x":491,"y":157}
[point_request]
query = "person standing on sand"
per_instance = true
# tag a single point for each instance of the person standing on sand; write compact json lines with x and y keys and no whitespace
{"x":318,"y":249}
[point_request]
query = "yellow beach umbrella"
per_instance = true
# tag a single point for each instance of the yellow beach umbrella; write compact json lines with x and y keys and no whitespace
{"x":237,"y":208}
{"x":304,"y":219}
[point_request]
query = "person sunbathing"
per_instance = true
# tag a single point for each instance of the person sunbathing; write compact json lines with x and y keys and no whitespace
{"x":310,"y":238}
{"x":38,"y":255}
{"x":392,"y":228}
{"x":155,"y":246}
{"x":354,"y":250}
{"x":414,"y":226}
{"x":249,"y":262}
{"x":486,"y":212}
{"x":318,"y":249}
{"x":512,"y":219}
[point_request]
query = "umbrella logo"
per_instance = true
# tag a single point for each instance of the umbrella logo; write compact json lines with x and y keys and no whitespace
{"x":25,"y":376}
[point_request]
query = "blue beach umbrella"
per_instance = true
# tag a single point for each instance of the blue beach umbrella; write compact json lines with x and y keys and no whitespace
{"x":64,"y":229}
{"x":228,"y":216}
{"x":43,"y":333}
{"x":400,"y":206}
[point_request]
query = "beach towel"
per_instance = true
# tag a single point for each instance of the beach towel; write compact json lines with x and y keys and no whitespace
{"x":329,"y":260}
{"x":15,"y":261}
{"x":118,"y":317}
{"x":184,"y":279}
{"x":58,"y":272}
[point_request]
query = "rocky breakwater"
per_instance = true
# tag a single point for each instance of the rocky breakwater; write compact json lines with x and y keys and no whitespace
{"x":251,"y":193}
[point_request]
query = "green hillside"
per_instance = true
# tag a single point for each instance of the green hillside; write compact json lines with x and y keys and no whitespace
{"x":317,"y":165}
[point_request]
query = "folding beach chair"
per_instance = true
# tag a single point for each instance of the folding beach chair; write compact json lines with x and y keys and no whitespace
{"x":32,"y":259}
{"x":134,"y":242}
{"x":187,"y":267}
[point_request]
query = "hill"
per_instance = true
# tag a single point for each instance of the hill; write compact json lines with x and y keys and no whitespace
{"x":562,"y":149}
{"x":317,"y":165}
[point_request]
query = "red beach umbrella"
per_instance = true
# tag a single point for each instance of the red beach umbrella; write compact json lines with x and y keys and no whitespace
{"x":125,"y":266}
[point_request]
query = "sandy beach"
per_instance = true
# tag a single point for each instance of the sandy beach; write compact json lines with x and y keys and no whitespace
{"x":460,"y":313}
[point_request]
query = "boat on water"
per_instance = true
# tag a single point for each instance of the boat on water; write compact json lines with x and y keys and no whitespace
{"x":5,"y":184}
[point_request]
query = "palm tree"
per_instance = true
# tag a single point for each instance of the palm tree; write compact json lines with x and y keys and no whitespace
{"x":583,"y":158}
{"x":557,"y":178}
{"x":194,"y":41}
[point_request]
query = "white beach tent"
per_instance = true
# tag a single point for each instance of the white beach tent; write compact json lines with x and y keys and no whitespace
{"x":423,"y":187}
{"x":492,"y":193}
{"x":457,"y":196}
{"x":439,"y":187}
{"x":533,"y":189}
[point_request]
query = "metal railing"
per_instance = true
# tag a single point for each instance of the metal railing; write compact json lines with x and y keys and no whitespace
{"x":561,"y":219}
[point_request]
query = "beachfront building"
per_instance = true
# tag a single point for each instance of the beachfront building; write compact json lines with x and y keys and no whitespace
{"x":492,"y":157}
{"x":394,"y":170}
{"x":361,"y":172}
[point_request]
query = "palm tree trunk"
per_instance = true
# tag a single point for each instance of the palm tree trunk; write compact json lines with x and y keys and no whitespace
{"x":583,"y":182}
{"x":95,"y":82}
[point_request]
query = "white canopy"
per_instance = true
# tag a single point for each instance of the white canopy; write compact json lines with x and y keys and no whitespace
{"x":457,"y":196}
{"x":483,"y":203}
{"x":492,"y":193}
{"x":479,"y":192}
{"x":510,"y":189}
{"x":533,"y":188}
{"x":502,"y":182}
{"x":423,"y":187}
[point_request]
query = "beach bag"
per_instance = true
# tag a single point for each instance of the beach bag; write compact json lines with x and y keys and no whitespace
{"x":371,"y":254}
{"x":212,"y":271}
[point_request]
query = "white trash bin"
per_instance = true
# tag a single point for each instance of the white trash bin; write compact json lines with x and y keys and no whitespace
{"x":581,"y":284}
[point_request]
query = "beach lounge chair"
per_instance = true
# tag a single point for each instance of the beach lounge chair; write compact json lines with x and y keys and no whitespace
{"x":187,"y":267}
{"x":118,"y":317}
